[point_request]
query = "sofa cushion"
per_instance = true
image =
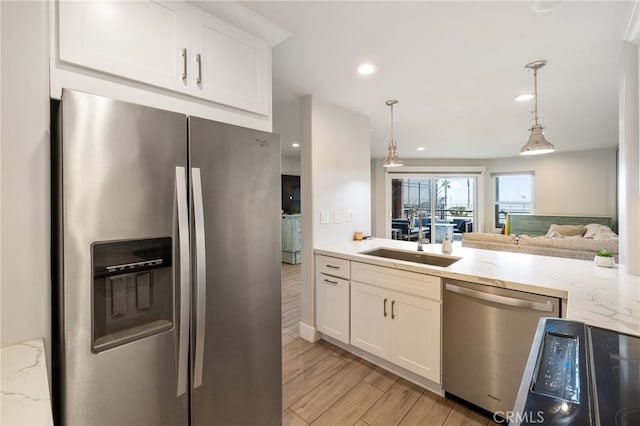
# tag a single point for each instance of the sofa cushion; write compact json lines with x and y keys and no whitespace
{"x":489,"y":238}
{"x":570,"y":243}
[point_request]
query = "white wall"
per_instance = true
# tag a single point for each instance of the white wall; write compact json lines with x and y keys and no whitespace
{"x":629,"y":173}
{"x":286,"y":123}
{"x":290,"y":166}
{"x":571,"y":183}
{"x":335,"y":177}
{"x":581,"y":183}
{"x":25,"y":262}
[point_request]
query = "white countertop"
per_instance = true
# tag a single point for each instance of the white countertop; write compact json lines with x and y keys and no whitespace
{"x":24,"y":389}
{"x":603,"y":297}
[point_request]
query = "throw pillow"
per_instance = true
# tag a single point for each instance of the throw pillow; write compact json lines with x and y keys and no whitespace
{"x":605,"y":235}
{"x":553,"y":234}
{"x":594,"y":228}
{"x":566,"y":230}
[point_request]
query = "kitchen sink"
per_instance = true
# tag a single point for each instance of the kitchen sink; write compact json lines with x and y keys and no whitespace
{"x":411,"y":256}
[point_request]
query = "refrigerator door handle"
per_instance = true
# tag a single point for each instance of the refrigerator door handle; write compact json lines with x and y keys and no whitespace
{"x":201,"y":276}
{"x":183,"y":250}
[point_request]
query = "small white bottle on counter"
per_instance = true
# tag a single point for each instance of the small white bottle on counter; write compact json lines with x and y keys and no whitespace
{"x":446,"y":245}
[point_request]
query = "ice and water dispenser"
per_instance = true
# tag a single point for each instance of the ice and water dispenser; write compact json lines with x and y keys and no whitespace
{"x":132,"y":291}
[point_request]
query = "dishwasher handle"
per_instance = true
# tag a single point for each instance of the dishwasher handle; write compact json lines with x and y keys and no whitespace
{"x":502,"y":300}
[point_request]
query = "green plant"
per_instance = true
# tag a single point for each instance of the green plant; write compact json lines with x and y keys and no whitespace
{"x":604,"y":253}
{"x":458,"y":210}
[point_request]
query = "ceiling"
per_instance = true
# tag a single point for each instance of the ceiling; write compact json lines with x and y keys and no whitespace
{"x":455,"y":68}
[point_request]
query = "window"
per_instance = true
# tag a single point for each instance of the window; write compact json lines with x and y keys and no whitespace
{"x":514,"y":194}
{"x":445,"y":201}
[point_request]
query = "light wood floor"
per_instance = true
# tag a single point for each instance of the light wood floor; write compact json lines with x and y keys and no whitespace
{"x":325,"y":385}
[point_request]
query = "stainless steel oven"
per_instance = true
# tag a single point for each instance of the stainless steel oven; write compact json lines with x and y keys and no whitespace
{"x":487,"y":333}
{"x":580,"y":375}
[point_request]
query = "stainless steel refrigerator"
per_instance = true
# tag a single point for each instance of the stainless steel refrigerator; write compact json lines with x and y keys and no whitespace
{"x":166,"y":266}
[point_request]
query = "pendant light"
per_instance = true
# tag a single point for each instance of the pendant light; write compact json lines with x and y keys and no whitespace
{"x":537,"y":143}
{"x":392,"y":159}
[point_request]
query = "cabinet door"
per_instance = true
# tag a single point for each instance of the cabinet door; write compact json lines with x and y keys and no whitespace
{"x":232,"y":67}
{"x":332,"y":307}
{"x":415,"y":335}
{"x":291,"y":233}
{"x":370,"y":317}
{"x":141,"y":40}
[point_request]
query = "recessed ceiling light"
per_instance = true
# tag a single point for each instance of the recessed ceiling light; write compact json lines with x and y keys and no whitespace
{"x":524,"y":97}
{"x":420,"y":148}
{"x":295,"y":145}
{"x":366,"y":69}
{"x":543,"y":6}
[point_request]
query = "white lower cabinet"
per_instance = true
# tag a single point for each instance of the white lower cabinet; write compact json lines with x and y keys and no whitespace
{"x":332,"y":301}
{"x":415,"y":335}
{"x":370,"y":319}
{"x":332,"y":297}
{"x":399,"y":327}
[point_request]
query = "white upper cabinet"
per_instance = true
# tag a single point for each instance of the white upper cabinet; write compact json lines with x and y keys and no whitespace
{"x":173,"y":45}
{"x":232,"y":67}
{"x":138,"y":40}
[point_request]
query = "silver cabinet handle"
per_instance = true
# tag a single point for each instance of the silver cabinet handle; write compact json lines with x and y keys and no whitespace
{"x":332,"y":266}
{"x":502,"y":300}
{"x":199,"y":61}
{"x":201,"y":276}
{"x":384,"y":307}
{"x":330,"y":281}
{"x":185,"y":296}
{"x":184,"y":64}
{"x":393,"y":316}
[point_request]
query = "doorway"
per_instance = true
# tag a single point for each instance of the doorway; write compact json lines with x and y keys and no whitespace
{"x":445,"y":204}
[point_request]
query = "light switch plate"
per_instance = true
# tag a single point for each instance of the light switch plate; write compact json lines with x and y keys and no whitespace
{"x":324,"y":216}
{"x":336,"y":216}
{"x":349,"y":216}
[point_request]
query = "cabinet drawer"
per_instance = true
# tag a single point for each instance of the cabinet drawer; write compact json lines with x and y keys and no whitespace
{"x":394,"y":279}
{"x":333,"y":266}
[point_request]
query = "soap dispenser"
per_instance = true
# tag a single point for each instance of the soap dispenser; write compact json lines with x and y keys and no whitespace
{"x":446,"y":245}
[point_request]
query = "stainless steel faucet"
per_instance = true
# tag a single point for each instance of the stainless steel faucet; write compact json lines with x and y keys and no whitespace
{"x":421,"y":239}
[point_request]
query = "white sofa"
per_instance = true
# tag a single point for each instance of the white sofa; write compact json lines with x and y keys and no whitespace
{"x":570,"y":241}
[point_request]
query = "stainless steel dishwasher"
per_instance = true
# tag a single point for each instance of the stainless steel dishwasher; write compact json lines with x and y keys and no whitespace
{"x":487,"y":336}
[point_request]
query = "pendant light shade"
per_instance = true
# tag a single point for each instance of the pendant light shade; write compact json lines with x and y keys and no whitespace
{"x":537,"y":143}
{"x":392,"y":159}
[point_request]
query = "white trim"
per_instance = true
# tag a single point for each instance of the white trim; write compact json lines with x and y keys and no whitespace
{"x":308,"y":333}
{"x":632,"y":32}
{"x":449,"y":170}
{"x":240,"y":15}
{"x":405,"y":374}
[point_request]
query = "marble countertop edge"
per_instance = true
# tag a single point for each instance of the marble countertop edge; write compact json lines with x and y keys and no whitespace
{"x":603,"y":297}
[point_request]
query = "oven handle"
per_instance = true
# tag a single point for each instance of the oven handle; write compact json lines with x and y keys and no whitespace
{"x":502,"y":300}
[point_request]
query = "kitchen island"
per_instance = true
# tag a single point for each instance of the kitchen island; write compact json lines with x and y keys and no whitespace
{"x":603,"y":297}
{"x":474,"y":315}
{"x":24,"y":389}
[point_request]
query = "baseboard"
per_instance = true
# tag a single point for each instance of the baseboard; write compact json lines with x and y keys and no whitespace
{"x":405,"y":374}
{"x":308,"y":333}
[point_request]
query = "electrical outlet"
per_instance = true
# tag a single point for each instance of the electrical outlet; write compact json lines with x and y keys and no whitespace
{"x":336,"y":216}
{"x":324,"y":216}
{"x":349,"y":216}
